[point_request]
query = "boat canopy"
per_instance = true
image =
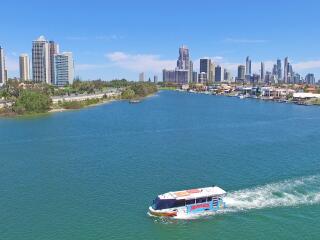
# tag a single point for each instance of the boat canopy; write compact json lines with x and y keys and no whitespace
{"x":194,"y":193}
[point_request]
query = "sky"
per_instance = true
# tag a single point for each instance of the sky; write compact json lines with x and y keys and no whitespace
{"x":119,"y":39}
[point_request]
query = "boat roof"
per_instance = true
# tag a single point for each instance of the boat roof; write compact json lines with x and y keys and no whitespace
{"x":194,"y":193}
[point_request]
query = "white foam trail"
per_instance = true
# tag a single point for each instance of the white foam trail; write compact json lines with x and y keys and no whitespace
{"x":294,"y":192}
{"x":288,"y":193}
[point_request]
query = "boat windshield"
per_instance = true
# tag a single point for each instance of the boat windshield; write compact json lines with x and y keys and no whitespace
{"x":168,"y":203}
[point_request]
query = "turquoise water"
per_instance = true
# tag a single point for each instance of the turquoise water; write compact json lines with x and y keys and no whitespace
{"x":91,"y":174}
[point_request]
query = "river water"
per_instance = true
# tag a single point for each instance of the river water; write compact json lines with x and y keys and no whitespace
{"x":92,"y":173}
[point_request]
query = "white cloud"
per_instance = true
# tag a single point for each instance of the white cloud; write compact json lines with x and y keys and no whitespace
{"x":140,"y":62}
{"x":301,"y":66}
{"x":109,"y":37}
{"x":86,"y":67}
{"x":245,"y":40}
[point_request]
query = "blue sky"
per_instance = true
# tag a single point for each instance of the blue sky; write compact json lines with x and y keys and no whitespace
{"x":115,"y":39}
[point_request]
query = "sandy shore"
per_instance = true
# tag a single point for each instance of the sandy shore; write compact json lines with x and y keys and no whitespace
{"x":55,"y":110}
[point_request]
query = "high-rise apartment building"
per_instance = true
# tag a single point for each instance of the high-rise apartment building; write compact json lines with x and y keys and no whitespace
{"x":41,"y":60}
{"x":310,"y":79}
{"x":183,"y":73}
{"x":183,"y":62}
{"x":205,"y":67}
{"x":241,"y":72}
{"x":248,"y":66}
{"x":53,"y":50}
{"x":286,"y":68}
{"x":218,"y":74}
{"x":24,"y":66}
{"x":226,"y":75}
{"x":168,"y":75}
{"x":63,"y":69}
{"x":3,"y":74}
{"x":155,"y":79}
{"x":202,"y":78}
{"x":279,"y":70}
{"x":262,"y":72}
{"x":194,"y":77}
{"x":141,"y":77}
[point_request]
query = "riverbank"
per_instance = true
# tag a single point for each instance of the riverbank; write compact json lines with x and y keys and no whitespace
{"x":29,"y":98}
{"x":58,"y":108}
{"x":275,"y":94}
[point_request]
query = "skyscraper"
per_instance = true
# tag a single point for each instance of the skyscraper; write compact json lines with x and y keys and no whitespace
{"x":205,"y":67}
{"x":279,"y":69}
{"x":53,"y":50}
{"x":262,"y":72}
{"x":168,"y":76}
{"x":285,"y":72}
{"x":141,"y":77}
{"x":248,"y":66}
{"x":183,"y":62}
{"x":275,"y":71}
{"x":212,"y":76}
{"x":195,"y":77}
{"x":241,"y":72}
{"x":226,"y":75}
{"x":41,"y":60}
{"x":310,"y":79}
{"x":63,"y":68}
{"x":155,"y":79}
{"x":3,"y":75}
{"x":218,"y":74}
{"x":24,"y":64}
{"x":190,"y":78}
{"x":202,"y":78}
{"x":183,"y":73}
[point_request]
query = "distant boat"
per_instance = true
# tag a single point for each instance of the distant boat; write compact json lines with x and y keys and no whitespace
{"x":134,"y":101}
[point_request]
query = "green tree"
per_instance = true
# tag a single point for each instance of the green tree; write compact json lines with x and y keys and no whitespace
{"x":128,"y":94}
{"x":32,"y":102}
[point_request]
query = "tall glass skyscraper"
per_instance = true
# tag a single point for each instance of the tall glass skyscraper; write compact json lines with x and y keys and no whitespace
{"x":248,"y":66}
{"x":279,"y":69}
{"x":183,"y":62}
{"x":285,"y":72}
{"x":218,"y":74}
{"x":183,"y":73}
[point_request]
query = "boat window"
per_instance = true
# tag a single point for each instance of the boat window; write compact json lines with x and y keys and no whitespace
{"x":191,"y":201}
{"x":164,"y":203}
{"x":201,"y":200}
{"x":180,"y":203}
{"x":209,"y":199}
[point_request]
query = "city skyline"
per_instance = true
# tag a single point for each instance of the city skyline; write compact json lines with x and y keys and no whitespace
{"x":115,"y":51}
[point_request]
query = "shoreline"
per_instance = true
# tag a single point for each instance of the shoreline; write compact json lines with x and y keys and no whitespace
{"x":57,"y":110}
{"x":12,"y":115}
{"x":307,"y":103}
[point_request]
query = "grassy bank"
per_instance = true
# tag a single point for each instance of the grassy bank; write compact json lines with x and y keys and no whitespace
{"x":138,"y":91}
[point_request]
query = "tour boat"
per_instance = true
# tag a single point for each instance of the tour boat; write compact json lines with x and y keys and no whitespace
{"x":188,"y":203}
{"x":134,"y":101}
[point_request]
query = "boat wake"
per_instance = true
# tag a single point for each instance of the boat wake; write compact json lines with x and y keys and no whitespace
{"x":295,"y":192}
{"x":288,"y":193}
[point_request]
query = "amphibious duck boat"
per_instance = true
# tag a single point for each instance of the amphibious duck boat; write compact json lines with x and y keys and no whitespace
{"x":188,"y":203}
